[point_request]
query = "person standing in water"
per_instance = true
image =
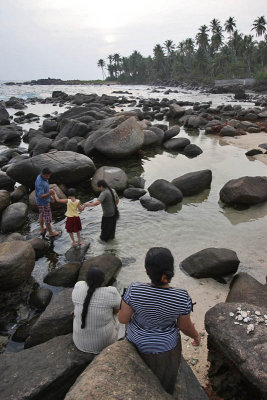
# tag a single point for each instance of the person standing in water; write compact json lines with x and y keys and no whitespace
{"x":109,"y":201}
{"x":73,"y":222}
{"x":43,"y":195}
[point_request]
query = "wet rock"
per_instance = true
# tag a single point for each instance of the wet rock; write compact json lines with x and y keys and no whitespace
{"x":151,"y":138}
{"x":40,"y":146}
{"x":3,"y":343}
{"x":194,"y":122}
{"x":56,"y":320}
{"x":4,"y":199}
{"x":192,"y":150}
{"x":40,"y":298}
{"x":263,"y":114}
{"x":134,"y":193}
{"x":263,"y":146}
{"x":19,"y":193}
{"x":173,"y":131}
{"x":9,"y":134}
{"x":237,"y":368}
{"x":70,"y":128}
{"x":125,"y":374}
{"x":77,"y":254}
{"x":17,"y":261}
{"x":60,"y":144}
{"x":40,"y":246}
{"x":49,"y":125}
{"x":165,"y":192}
{"x":253,"y":152}
{"x":228,"y":130}
{"x":35,"y":373}
{"x":13,"y":217}
{"x":247,"y":190}
{"x":211,"y":263}
{"x":193,"y":182}
{"x":109,"y":264}
{"x":115,"y":178}
{"x":14,"y":236}
{"x":122,"y":141}
{"x":4,"y":116}
{"x":67,"y":167}
{"x":65,"y":276}
{"x":245,"y":289}
{"x":158,"y":132}
{"x":6,"y":182}
{"x":54,"y":205}
{"x":175,"y":111}
{"x":22,"y":331}
{"x":187,"y":386}
{"x":137,"y":182}
{"x":176,"y":144}
{"x":152,"y":204}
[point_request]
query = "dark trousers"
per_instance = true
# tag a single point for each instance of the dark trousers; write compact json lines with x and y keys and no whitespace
{"x":165,"y":366}
{"x":108,"y":228}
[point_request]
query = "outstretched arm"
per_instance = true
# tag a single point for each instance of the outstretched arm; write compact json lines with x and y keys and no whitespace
{"x":92,"y":203}
{"x":185,"y":324}
{"x":81,"y":207}
{"x":58,"y":200}
{"x":125,"y":313}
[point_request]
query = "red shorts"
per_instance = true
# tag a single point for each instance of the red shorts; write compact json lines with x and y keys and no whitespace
{"x":73,"y":224}
{"x":45,"y":213}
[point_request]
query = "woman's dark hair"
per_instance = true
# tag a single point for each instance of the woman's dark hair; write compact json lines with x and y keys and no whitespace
{"x":159,"y":261}
{"x":94,"y":279}
{"x":104,"y":184}
{"x":71,"y":192}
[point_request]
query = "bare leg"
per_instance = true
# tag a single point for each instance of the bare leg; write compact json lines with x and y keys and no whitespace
{"x":72,"y":238}
{"x":41,"y":221}
{"x":51,"y":232}
{"x":79,"y":238}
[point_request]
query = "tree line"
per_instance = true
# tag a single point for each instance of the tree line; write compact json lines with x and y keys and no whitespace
{"x":217,"y":52}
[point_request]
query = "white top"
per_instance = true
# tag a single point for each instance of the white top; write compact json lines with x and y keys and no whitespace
{"x":101,"y":325}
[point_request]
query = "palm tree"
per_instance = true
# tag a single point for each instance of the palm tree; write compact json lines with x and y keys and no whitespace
{"x":229,"y":25}
{"x":248,"y":49}
{"x":101,"y":63}
{"x":116,"y":59}
{"x":217,"y":35}
{"x":202,"y":38}
{"x":214,"y":25}
{"x":259,"y":26}
{"x":169,"y":46}
{"x":110,"y":59}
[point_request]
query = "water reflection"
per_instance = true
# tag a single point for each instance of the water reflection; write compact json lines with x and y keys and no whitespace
{"x":247,"y":214}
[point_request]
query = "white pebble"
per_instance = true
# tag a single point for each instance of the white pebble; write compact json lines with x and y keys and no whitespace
{"x":239,"y":308}
{"x":236,"y":323}
{"x":232,"y":314}
{"x":250,"y":328}
{"x":246,"y":319}
{"x":257,"y":313}
{"x":265,"y":316}
{"x":239,"y":318}
{"x":244,"y":314}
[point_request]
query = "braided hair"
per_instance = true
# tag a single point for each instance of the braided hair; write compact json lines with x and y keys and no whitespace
{"x":104,"y":184}
{"x":94,"y":279}
{"x":159,"y":261}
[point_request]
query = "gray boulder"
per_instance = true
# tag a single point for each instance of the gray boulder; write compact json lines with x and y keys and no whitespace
{"x":4,"y":199}
{"x":193,"y":182}
{"x":40,"y":247}
{"x":14,"y":217}
{"x":263,"y":114}
{"x":108,"y":263}
{"x":17,"y":261}
{"x":173,"y":131}
{"x":65,"y":276}
{"x":77,"y":254}
{"x":66,"y":166}
{"x":245,"y":289}
{"x":115,"y":178}
{"x":192,"y":150}
{"x":151,"y":138}
{"x":211,"y":263}
{"x":9,"y":134}
{"x":194,"y":122}
{"x":176,"y":144}
{"x":60,"y":144}
{"x":49,"y":125}
{"x":40,"y":298}
{"x":228,"y":130}
{"x":253,"y":152}
{"x":56,"y":320}
{"x":5,"y":181}
{"x":54,"y":205}
{"x":44,"y":372}
{"x":175,"y":111}
{"x":137,"y":182}
{"x":39,"y":145}
{"x":152,"y":204}
{"x":71,"y":128}
{"x":165,"y":192}
{"x":247,"y":190}
{"x":134,"y":193}
{"x":122,"y":141}
{"x":19,"y":193}
{"x":4,"y":116}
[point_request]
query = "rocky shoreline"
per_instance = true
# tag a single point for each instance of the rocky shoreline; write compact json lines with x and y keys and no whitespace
{"x":72,"y":145}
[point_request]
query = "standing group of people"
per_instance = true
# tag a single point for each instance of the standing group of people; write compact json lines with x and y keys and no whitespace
{"x":154,"y":313}
{"x":44,"y":196}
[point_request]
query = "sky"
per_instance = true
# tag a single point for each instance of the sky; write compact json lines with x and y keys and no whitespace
{"x":65,"y":38}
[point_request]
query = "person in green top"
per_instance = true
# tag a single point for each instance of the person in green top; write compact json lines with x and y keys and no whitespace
{"x":109,"y":200}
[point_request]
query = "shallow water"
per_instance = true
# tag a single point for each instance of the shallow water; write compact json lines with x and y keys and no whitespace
{"x":198,"y":222}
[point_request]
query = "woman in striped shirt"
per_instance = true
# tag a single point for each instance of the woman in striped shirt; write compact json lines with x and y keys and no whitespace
{"x":155,"y":313}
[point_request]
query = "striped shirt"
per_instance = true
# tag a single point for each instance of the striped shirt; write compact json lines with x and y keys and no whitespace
{"x":152,"y":327}
{"x":101,"y":326}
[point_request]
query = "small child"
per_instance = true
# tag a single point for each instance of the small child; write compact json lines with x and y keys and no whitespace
{"x":73,"y":222}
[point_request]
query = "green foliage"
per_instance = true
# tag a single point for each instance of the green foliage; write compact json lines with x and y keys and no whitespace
{"x":261,"y":75}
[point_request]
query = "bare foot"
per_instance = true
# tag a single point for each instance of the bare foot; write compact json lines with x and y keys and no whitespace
{"x":43,"y":230}
{"x":73,"y":244}
{"x":80,"y":243}
{"x":53,"y":233}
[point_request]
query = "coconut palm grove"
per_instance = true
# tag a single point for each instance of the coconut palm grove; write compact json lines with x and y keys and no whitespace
{"x":218,"y":51}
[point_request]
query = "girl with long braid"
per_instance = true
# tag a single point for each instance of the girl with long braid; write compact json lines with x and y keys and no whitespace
{"x":95,"y":325}
{"x":109,"y":201}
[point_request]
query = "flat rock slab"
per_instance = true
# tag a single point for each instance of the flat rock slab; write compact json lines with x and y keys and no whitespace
{"x":44,"y":372}
{"x":117,"y":373}
{"x":65,"y":276}
{"x":56,"y":320}
{"x":77,"y":253}
{"x":245,"y":289}
{"x":211,"y":263}
{"x":109,"y":264}
{"x":248,"y":352}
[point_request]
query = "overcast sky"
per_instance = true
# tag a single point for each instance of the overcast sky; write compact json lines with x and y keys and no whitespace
{"x":65,"y":38}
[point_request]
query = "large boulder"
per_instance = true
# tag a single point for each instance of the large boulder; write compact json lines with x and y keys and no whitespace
{"x":171,"y":132}
{"x":19,"y":193}
{"x":14,"y":217}
{"x":4,"y":116}
{"x":176,"y":144}
{"x":39,"y":145}
{"x":54,"y":205}
{"x":137,"y":182}
{"x":65,"y":276}
{"x":70,"y":128}
{"x":151,"y":138}
{"x":108,"y":263}
{"x":247,"y":190}
{"x":44,"y":372}
{"x":49,"y":125}
{"x":165,"y":192}
{"x":66,"y":166}
{"x":237,"y":350}
{"x":118,"y":372}
{"x":4,"y":199}
{"x":211,"y":263}
{"x":187,"y":386}
{"x":5,"y":181}
{"x":115,"y":178}
{"x":17,"y":261}
{"x":56,"y":320}
{"x":134,"y":193}
{"x":9,"y":134}
{"x":40,"y":298}
{"x":175,"y":111}
{"x":193,"y":182}
{"x":192,"y":150}
{"x":228,"y":130}
{"x":40,"y":246}
{"x":152,"y":204}
{"x":122,"y":141}
{"x":245,"y":289}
